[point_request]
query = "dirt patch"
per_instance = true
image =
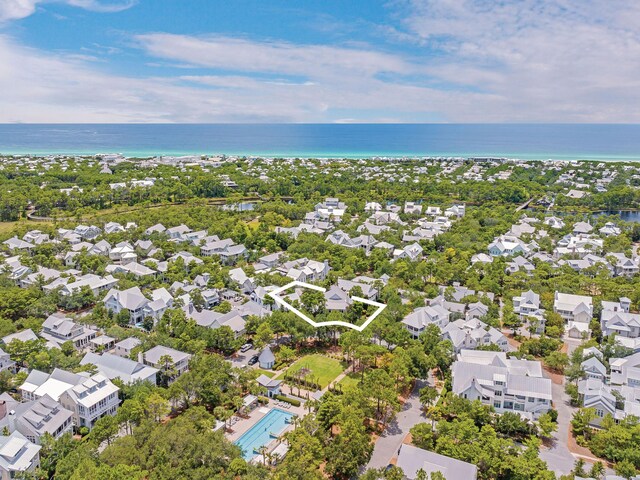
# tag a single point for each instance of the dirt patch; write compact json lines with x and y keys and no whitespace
{"x":555,"y":377}
{"x":584,"y":452}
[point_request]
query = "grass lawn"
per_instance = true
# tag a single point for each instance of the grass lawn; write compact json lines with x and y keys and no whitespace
{"x":351,"y":380}
{"x":324,"y":368}
{"x":268,"y":373}
{"x":7,"y":227}
{"x":253,"y":224}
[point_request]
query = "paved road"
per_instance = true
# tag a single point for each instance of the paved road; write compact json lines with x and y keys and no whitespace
{"x":558,"y":457}
{"x":240,"y":359}
{"x":389,"y":442}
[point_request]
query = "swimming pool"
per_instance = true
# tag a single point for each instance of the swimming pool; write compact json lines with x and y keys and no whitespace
{"x":263,"y":432}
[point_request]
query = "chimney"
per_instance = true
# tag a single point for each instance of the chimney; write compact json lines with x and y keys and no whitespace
{"x":3,"y":409}
{"x":140,"y":357}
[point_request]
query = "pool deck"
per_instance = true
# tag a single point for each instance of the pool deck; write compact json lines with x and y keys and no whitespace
{"x":244,"y":424}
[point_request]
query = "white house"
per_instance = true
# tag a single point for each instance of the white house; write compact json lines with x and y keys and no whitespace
{"x":131,"y":300}
{"x":89,"y":397}
{"x":17,"y":455}
{"x":576,"y":310}
{"x":506,"y":384}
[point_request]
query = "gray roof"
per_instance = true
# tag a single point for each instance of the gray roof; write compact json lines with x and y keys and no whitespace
{"x":37,"y":417}
{"x":411,"y":459}
{"x":156,"y":353}
{"x":113,"y":366}
{"x":23,"y":336}
{"x":129,"y":343}
{"x":266,"y":356}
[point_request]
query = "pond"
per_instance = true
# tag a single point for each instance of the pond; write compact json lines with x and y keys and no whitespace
{"x":240,"y":207}
{"x":625,"y":215}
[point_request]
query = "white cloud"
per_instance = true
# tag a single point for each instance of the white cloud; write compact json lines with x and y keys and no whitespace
{"x":17,"y":9}
{"x":469,"y":61}
{"x":271,"y":57}
{"x":551,"y":60}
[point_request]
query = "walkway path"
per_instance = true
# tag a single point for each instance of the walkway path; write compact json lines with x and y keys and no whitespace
{"x":391,"y":439}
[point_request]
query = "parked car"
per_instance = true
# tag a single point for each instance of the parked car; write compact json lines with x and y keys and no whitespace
{"x":253,"y":360}
{"x":246,"y":347}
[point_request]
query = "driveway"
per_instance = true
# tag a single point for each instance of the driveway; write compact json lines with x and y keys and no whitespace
{"x":240,"y":359}
{"x":558,"y":457}
{"x":389,"y":442}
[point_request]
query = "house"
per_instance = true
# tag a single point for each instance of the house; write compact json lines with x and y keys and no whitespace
{"x":372,"y":207}
{"x":131,"y":300}
{"x":5,"y":362}
{"x":58,"y":329}
{"x":177,"y":232}
{"x":615,"y":318}
{"x":481,"y":258}
{"x":125,"y":347}
{"x":594,"y":368}
{"x":576,"y":310}
{"x":96,"y":283}
{"x":26,"y":335}
{"x":102,"y":343}
{"x":368,"y":290}
{"x":123,"y":253}
{"x":89,"y":397}
{"x":455,"y":211}
{"x":385,"y":218}
{"x":473,"y":333}
{"x":247,"y":285}
{"x":157,"y":228}
{"x":15,"y":244}
{"x":113,"y":366}
{"x":582,"y":227}
{"x":520,"y":263}
{"x":271,"y":385}
{"x":506,"y":245}
{"x":610,"y":229}
{"x":622,"y":265}
{"x":337,"y":299}
{"x":418,"y":320}
{"x":411,"y":252}
{"x":17,"y":456}
{"x":618,"y":401}
{"x":412,"y":208}
{"x":113,"y":227}
{"x":626,"y":371}
{"x":509,"y":385}
{"x":89,"y":232}
{"x":267,"y":359}
{"x":331,"y":210}
{"x":179,"y":361}
{"x":227,"y":250}
{"x":412,"y":460}
{"x":234,"y":319}
{"x":305,"y":270}
{"x":527,"y":307}
{"x":35,"y":418}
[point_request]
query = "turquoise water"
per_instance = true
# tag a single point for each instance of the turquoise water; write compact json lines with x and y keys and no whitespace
{"x":259,"y":435}
{"x":525,"y":141}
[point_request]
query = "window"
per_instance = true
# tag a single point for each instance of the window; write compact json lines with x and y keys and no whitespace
{"x":498,"y":393}
{"x":599,"y":413}
{"x":497,"y":404}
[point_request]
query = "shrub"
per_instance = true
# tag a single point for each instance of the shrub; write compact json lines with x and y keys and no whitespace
{"x":292,"y":401}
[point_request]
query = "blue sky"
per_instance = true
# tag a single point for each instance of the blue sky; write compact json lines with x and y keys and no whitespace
{"x":319,"y":61}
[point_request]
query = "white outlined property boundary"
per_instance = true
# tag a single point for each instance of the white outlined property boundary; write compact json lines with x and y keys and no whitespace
{"x":288,"y":306}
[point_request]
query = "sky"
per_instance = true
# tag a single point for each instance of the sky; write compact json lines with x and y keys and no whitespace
{"x":320,"y":61}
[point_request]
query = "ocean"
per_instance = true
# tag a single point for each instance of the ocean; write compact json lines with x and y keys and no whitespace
{"x":612,"y":142}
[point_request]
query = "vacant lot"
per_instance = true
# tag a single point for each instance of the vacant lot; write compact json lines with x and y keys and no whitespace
{"x":323,"y":369}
